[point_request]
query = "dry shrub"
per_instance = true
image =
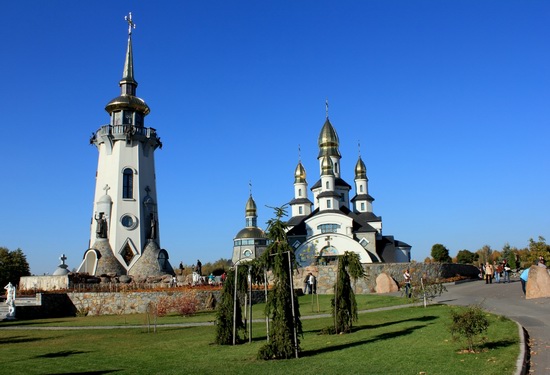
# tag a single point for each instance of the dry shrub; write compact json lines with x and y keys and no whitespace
{"x":184,"y":305}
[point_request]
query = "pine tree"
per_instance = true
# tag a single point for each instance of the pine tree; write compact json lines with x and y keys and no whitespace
{"x":344,"y":305}
{"x":226,"y":308}
{"x":285,"y":323}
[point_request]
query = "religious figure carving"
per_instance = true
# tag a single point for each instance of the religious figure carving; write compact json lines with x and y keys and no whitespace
{"x":153,"y":232}
{"x":10,"y":300}
{"x":101,"y":228}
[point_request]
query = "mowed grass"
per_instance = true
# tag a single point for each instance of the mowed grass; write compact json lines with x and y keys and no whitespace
{"x":403,"y":341}
{"x":309,"y":305}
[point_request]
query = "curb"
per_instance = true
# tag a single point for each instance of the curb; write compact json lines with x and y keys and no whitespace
{"x":521,"y":363}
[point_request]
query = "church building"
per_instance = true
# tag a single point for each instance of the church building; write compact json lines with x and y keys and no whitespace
{"x":332,"y":224}
{"x":124,"y":229}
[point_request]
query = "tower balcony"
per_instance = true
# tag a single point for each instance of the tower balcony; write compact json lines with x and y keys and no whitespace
{"x":128,"y":133}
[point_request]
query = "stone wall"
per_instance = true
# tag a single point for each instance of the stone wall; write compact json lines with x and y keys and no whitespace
{"x":105,"y":303}
{"x":326,"y":275}
{"x":44,"y":282}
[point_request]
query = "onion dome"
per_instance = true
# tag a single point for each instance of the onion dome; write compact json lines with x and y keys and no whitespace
{"x":328,"y":141}
{"x":127,"y":99}
{"x":250,"y":209}
{"x":252,"y":232}
{"x":360,"y":170}
{"x":300,"y":173}
{"x":327,"y":168}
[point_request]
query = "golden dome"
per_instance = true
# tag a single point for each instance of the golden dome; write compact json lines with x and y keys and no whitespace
{"x":128,"y":102}
{"x":328,"y":141}
{"x":360,"y":170}
{"x":251,"y":233}
{"x":300,"y":173}
{"x":327,"y":167}
{"x":250,"y":209}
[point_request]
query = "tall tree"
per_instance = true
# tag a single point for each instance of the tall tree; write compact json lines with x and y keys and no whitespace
{"x":285,"y":321}
{"x":536,"y":249}
{"x":485,"y":254}
{"x":13,"y":265}
{"x":466,"y":257}
{"x":440,"y":253}
{"x":229,"y":310}
{"x":344,"y":304}
{"x":509,"y":254}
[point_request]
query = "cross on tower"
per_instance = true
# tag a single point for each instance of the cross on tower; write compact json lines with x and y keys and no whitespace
{"x":106,"y":188}
{"x":63,"y":258}
{"x":131,"y":24}
{"x":326,"y":107}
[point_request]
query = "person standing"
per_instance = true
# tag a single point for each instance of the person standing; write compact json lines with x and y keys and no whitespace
{"x":498,"y":270}
{"x":507,"y":269}
{"x":489,"y":271}
{"x":523,"y":279}
{"x":199,"y":267}
{"x":407,"y":277}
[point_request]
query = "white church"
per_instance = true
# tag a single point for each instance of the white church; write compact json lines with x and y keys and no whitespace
{"x":124,"y":230}
{"x":321,"y":230}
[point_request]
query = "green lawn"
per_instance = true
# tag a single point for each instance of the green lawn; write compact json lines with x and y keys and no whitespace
{"x":402,"y":341}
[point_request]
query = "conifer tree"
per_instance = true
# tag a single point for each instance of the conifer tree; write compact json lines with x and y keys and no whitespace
{"x":285,"y":323}
{"x":227,"y":309}
{"x":344,"y":305}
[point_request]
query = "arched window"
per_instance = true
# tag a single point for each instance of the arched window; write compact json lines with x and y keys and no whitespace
{"x":328,"y":186}
{"x":128,"y":184}
{"x":328,"y":204}
{"x":361,"y":188}
{"x":362,"y":206}
{"x":300,"y":211}
{"x":299,"y":192}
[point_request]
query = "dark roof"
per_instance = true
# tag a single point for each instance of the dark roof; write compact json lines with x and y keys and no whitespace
{"x":300,"y":201}
{"x":369,"y":216}
{"x":328,"y":194}
{"x":362,"y":197}
{"x":385,"y":243}
{"x":337,"y":181}
{"x":402,"y":244}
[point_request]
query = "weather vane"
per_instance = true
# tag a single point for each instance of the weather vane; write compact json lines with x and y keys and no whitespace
{"x":326,"y":106}
{"x":131,"y":24}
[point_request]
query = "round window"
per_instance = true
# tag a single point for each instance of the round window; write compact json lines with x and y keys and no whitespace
{"x":247,"y":253}
{"x":128,"y":221}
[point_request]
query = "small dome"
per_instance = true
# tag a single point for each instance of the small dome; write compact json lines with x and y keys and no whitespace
{"x":105,"y":199}
{"x":300,"y":173}
{"x":360,"y":170}
{"x":250,"y":209}
{"x":328,"y":141}
{"x":327,"y":167}
{"x":253,"y":232}
{"x":128,"y":102}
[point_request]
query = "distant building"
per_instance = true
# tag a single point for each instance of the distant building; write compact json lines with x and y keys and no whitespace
{"x":251,"y":241}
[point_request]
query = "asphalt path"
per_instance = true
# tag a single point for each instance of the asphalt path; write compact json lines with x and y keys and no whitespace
{"x":508,"y":300}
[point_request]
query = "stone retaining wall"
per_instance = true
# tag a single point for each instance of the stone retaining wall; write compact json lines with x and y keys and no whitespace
{"x":326,"y":275}
{"x":107,"y":303}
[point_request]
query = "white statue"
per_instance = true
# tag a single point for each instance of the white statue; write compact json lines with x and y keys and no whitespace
{"x":10,"y":300}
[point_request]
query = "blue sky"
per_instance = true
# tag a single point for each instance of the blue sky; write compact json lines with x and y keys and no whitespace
{"x":449,"y":100}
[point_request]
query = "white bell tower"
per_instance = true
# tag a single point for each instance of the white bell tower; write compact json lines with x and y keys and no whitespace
{"x":124,"y":233}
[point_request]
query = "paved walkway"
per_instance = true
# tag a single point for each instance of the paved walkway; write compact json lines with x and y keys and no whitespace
{"x":508,"y":300}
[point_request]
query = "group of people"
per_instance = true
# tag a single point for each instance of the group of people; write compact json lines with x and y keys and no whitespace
{"x":490,"y":271}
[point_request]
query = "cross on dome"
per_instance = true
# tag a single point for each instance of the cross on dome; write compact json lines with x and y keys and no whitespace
{"x":131,"y":24}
